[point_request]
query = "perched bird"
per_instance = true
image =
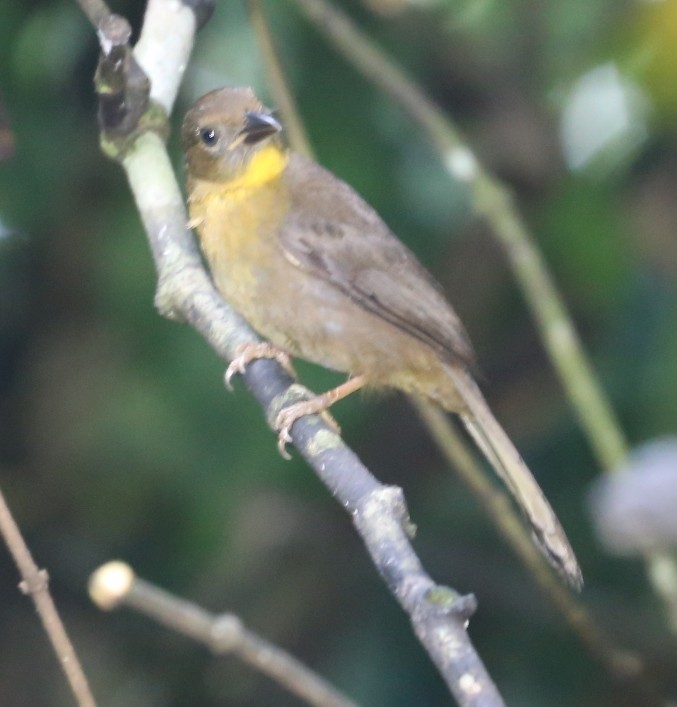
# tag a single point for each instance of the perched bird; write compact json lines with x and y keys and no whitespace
{"x":316,"y":271}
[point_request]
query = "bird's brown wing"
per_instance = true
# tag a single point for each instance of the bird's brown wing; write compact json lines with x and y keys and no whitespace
{"x":334,"y":235}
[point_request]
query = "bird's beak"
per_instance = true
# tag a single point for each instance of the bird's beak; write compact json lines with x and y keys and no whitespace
{"x":258,"y":126}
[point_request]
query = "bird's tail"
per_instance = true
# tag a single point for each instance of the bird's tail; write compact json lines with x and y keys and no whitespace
{"x":510,"y":467}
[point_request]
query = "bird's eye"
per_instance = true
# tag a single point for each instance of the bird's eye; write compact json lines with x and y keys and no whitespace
{"x":209,"y":136}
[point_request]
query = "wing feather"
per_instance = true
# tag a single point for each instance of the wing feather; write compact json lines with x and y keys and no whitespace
{"x":353,"y":250}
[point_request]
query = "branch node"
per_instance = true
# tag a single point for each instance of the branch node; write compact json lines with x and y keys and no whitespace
{"x":34,"y":582}
{"x":226,"y":633}
{"x":165,"y":299}
{"x":110,"y":584}
{"x":469,"y":684}
{"x":451,"y":603}
{"x":114,"y":32}
{"x":116,"y":142}
{"x":389,"y":500}
{"x":121,"y":84}
{"x":324,"y":440}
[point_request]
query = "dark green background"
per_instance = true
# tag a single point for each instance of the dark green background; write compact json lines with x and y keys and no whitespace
{"x":119,"y":440}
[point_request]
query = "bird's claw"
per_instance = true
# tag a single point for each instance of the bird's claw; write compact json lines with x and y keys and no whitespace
{"x":251,"y":351}
{"x":287,"y":417}
{"x":283,"y":439}
{"x":285,"y":421}
{"x":235,"y":367}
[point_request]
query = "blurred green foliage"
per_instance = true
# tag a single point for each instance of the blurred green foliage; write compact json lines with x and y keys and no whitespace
{"x":118,"y":439}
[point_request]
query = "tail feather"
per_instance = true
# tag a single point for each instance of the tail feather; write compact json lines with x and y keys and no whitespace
{"x":500,"y":452}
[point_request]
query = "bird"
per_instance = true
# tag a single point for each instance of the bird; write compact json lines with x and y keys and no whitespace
{"x":316,"y":271}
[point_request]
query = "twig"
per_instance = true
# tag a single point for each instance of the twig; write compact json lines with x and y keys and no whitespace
{"x":493,"y":202}
{"x":120,"y":82}
{"x":438,"y":614}
{"x":115,"y":584}
{"x":35,"y":583}
{"x":278,"y":82}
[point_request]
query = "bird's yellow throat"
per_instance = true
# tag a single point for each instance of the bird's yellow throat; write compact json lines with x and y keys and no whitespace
{"x":267,"y":164}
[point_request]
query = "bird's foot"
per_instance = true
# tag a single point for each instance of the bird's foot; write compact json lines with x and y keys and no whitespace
{"x":288,"y":416}
{"x":251,"y":351}
{"x":317,"y":405}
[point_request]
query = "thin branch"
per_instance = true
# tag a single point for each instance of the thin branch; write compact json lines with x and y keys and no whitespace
{"x":35,"y":583}
{"x":438,"y":614}
{"x":278,"y":82}
{"x":120,"y":82}
{"x":493,"y":202}
{"x":115,"y":584}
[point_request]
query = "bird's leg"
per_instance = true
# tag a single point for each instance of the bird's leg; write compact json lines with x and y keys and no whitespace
{"x":319,"y":404}
{"x":250,"y":351}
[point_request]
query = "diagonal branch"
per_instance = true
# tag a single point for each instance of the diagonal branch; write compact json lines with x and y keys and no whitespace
{"x":35,"y":582}
{"x":115,"y":584}
{"x":284,"y":100}
{"x":439,"y":615}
